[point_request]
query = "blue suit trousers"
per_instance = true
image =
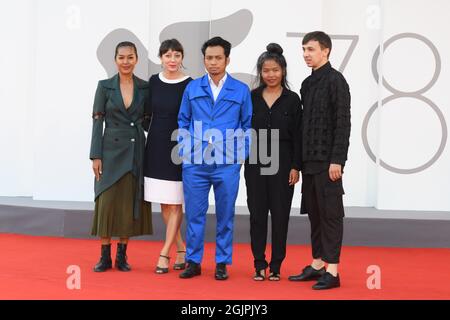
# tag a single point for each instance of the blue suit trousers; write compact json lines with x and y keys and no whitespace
{"x":197,"y":182}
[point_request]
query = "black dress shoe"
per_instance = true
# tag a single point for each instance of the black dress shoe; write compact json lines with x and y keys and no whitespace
{"x":327,"y":281}
{"x":308,"y":274}
{"x":221,"y":271}
{"x":192,"y":270}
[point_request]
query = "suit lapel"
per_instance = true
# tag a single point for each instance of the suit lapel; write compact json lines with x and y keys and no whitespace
{"x":137,"y":97}
{"x":116,"y":96}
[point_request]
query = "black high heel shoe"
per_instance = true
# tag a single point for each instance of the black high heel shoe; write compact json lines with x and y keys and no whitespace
{"x":180,"y":266}
{"x":160,"y":270}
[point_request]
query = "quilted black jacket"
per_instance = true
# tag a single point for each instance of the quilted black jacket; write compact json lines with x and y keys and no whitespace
{"x":325,"y":97}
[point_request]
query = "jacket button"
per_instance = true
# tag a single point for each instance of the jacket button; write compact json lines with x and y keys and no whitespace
{"x":132,"y":140}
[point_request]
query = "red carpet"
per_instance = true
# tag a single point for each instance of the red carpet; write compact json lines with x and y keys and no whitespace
{"x":35,"y":268}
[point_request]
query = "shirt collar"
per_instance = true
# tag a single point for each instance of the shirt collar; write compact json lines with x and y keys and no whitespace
{"x":259,"y":91}
{"x":316,"y":74}
{"x":221,"y":81}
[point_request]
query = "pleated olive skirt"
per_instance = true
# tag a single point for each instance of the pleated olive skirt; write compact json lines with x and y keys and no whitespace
{"x":113,"y":216}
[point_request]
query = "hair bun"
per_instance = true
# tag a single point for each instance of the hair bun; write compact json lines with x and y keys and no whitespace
{"x":274,"y":48}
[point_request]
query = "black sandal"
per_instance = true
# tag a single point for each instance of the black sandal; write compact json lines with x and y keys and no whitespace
{"x":260,"y":275}
{"x":274,"y":276}
{"x":180,"y":266}
{"x":160,"y":270}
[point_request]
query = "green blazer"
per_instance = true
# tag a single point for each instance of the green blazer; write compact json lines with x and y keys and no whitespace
{"x":117,"y":135}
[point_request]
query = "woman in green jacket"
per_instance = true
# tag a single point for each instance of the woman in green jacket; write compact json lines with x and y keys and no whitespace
{"x":117,"y":151}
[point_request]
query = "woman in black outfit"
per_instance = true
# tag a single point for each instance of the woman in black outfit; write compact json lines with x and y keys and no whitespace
{"x":162,"y":181}
{"x":275,"y":107}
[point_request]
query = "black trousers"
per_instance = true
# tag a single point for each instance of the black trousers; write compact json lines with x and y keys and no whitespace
{"x":322,"y":201}
{"x":268,"y":193}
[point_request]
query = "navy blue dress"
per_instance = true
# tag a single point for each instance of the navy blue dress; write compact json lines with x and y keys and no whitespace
{"x":159,"y":170}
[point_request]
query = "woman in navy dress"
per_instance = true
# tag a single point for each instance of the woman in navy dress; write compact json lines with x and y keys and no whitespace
{"x":162,"y":178}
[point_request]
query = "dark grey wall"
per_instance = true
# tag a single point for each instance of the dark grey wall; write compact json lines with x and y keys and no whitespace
{"x":408,"y":233}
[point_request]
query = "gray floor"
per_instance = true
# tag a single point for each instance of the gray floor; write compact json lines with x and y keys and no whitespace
{"x":363,"y":226}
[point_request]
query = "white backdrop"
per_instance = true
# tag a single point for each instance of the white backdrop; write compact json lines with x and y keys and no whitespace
{"x":51,"y":66}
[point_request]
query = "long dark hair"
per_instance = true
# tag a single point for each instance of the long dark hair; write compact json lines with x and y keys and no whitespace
{"x":274,"y":52}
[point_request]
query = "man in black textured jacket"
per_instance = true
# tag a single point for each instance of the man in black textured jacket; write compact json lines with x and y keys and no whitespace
{"x":325,"y":139}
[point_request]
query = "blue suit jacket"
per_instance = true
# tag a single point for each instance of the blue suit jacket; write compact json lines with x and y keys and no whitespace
{"x":207,"y":121}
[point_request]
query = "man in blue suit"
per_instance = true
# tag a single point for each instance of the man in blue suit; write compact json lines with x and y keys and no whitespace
{"x":215,"y":119}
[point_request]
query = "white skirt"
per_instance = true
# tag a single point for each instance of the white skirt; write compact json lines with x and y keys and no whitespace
{"x":163,"y":191}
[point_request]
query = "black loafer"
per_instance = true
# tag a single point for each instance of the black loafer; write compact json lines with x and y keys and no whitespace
{"x":308,"y":274}
{"x":192,"y":270}
{"x":327,"y":281}
{"x":221,"y":271}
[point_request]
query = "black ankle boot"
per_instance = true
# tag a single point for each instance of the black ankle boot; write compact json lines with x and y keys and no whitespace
{"x":105,"y":262}
{"x":121,"y":258}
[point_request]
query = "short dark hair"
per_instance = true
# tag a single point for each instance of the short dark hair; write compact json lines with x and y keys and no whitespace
{"x":125,"y":44}
{"x":170,"y":44}
{"x":319,"y":36}
{"x":217,"y":42}
{"x":274,"y":52}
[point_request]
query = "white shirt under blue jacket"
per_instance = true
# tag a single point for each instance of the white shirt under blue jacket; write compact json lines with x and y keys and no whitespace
{"x":214,"y":138}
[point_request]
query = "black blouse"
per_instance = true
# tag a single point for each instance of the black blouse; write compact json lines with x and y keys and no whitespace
{"x":284,"y":115}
